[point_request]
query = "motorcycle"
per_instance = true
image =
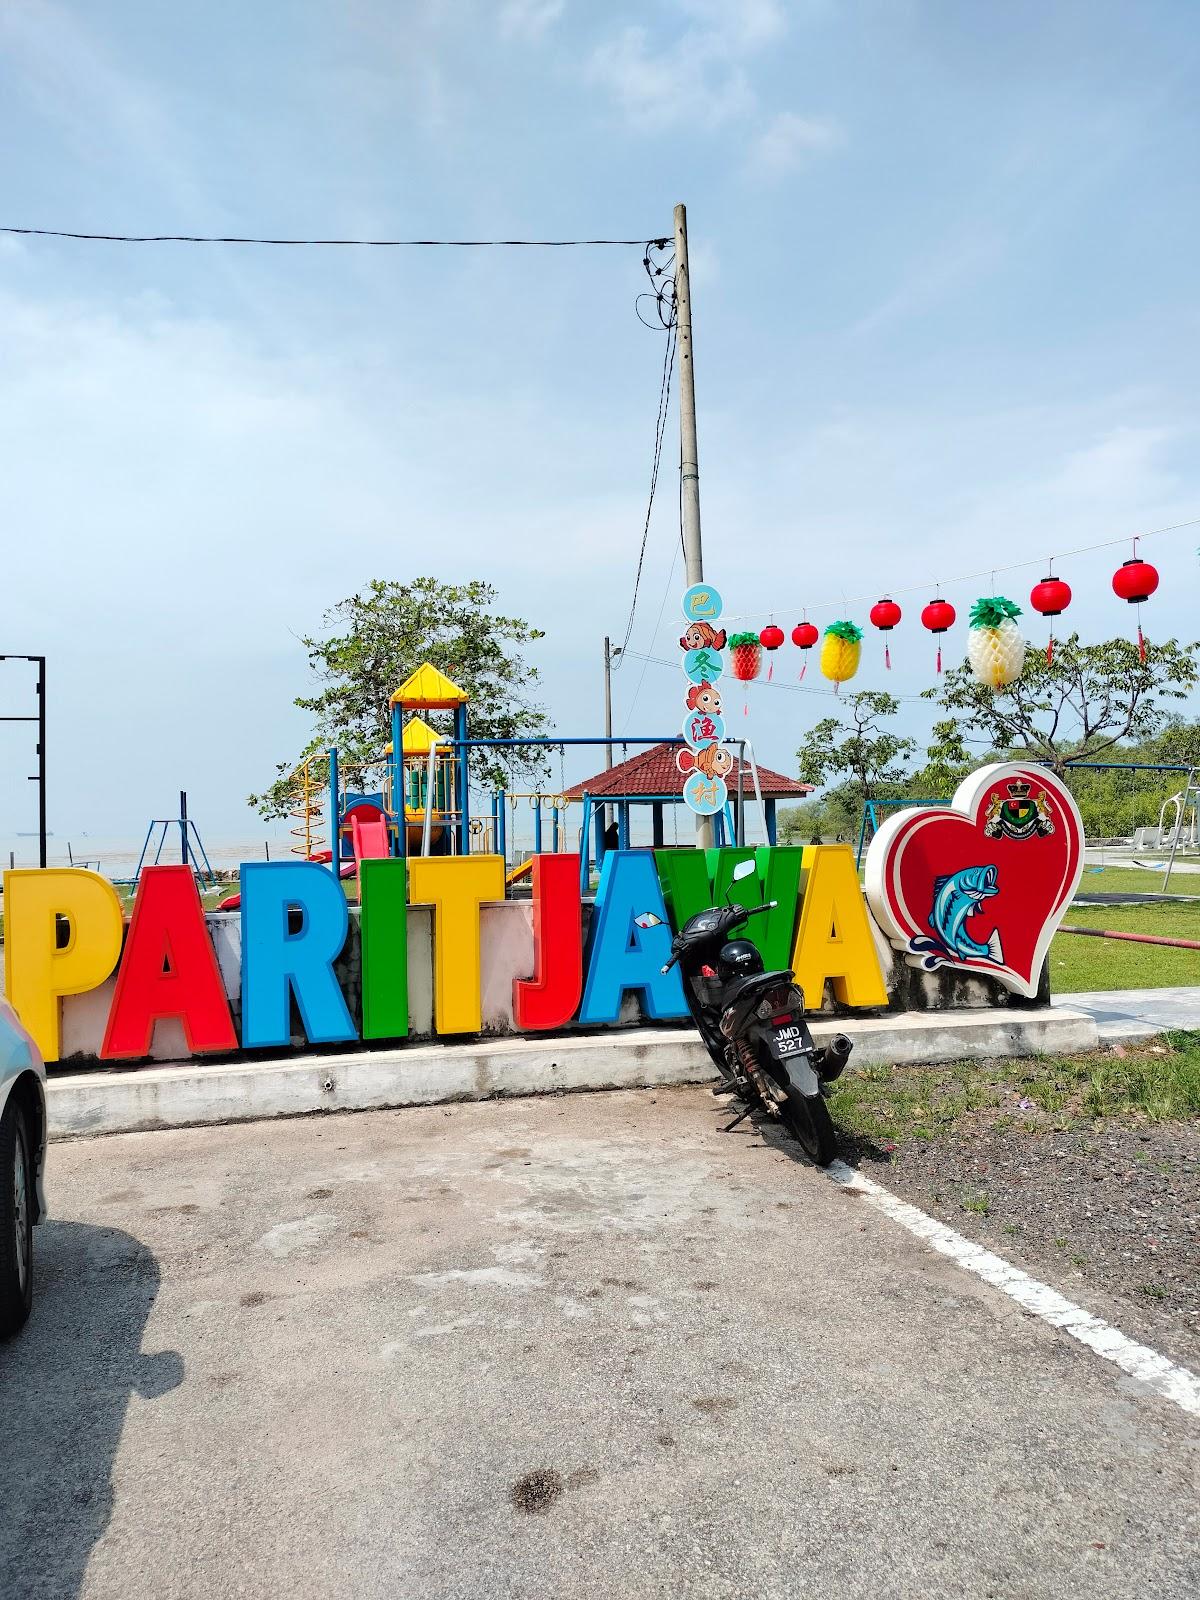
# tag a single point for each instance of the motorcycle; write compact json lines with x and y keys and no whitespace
{"x":754,"y":1027}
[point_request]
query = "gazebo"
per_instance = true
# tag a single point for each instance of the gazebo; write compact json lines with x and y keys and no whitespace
{"x":652,"y":778}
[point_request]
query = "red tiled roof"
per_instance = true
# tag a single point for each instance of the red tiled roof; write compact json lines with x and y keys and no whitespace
{"x":653,"y":772}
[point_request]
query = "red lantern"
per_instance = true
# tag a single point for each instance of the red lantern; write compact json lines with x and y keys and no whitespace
{"x":1051,"y":597}
{"x":804,"y":636}
{"x":1135,"y":580}
{"x":771,"y":638}
{"x":938,"y":617}
{"x":885,"y":614}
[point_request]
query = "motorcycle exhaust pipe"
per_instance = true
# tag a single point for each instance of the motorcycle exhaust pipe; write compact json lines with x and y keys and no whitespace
{"x":834,"y":1057}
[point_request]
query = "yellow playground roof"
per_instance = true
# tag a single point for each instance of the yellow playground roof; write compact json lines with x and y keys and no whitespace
{"x":417,"y":738}
{"x":427,"y":689}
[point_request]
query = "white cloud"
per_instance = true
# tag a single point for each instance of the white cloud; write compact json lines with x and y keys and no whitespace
{"x":700,"y":73}
{"x":742,"y":24}
{"x":788,"y":141}
{"x":1124,"y":468}
{"x":691,"y":79}
{"x":529,"y":19}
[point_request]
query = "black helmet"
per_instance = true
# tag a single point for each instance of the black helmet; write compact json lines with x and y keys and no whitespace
{"x":738,"y":959}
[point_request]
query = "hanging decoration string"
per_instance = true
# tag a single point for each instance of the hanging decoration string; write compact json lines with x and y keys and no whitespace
{"x":842,"y":602}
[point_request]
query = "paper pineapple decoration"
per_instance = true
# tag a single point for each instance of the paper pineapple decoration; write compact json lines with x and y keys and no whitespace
{"x":841,"y":649}
{"x":995,"y":647}
{"x":745,"y":656}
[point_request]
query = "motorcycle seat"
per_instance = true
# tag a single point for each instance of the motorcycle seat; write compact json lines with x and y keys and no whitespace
{"x":741,"y":987}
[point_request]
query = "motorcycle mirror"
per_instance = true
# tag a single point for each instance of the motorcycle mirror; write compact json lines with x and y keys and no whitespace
{"x":647,"y":919}
{"x":744,"y":869}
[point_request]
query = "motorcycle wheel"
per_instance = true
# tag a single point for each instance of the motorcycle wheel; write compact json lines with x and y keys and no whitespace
{"x":809,"y":1123}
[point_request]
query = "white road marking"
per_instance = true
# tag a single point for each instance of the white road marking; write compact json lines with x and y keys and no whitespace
{"x":1163,"y":1376}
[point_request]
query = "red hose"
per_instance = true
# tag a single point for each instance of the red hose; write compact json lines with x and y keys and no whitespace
{"x":1134,"y":938}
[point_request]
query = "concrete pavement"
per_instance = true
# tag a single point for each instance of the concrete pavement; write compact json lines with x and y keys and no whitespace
{"x":1123,"y":1014}
{"x":125,"y":1100}
{"x":578,"y":1345}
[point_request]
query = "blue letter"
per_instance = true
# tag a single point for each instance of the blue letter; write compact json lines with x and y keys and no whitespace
{"x":622,"y":955}
{"x":277,"y":964}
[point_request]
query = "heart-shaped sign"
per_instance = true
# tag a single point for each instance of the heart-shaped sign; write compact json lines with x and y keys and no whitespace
{"x":980,"y":885}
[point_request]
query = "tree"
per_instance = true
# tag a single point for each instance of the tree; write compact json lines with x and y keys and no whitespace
{"x":383,"y":634}
{"x":857,"y":745}
{"x":1077,"y":707}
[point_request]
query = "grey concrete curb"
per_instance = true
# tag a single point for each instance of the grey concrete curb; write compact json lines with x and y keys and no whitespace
{"x":187,"y":1094}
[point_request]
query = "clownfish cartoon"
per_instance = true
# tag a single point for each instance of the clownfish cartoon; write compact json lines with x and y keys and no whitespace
{"x":703,"y":697}
{"x":711,"y":760}
{"x":702,"y":635}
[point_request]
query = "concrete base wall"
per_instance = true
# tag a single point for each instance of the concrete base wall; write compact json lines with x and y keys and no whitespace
{"x":122,"y":1100}
{"x":507,"y":943}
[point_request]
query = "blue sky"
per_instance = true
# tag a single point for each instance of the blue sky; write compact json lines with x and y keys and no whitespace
{"x":946,"y":317}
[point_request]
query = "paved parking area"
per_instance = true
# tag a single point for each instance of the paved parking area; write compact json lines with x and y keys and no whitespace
{"x":576,"y":1346}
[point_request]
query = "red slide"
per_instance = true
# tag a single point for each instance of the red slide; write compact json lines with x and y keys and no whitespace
{"x":369,"y":840}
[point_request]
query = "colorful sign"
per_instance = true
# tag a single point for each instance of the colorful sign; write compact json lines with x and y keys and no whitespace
{"x":980,"y":885}
{"x":703,"y":762}
{"x":294,"y":927}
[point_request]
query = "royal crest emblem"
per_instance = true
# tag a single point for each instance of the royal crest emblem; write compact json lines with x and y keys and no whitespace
{"x":1020,"y":816}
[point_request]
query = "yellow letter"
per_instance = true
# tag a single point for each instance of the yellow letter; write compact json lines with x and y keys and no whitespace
{"x":455,"y":886}
{"x":834,"y":937}
{"x":36,"y":972}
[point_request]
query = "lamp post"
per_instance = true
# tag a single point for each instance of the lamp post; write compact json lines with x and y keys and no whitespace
{"x":40,"y":776}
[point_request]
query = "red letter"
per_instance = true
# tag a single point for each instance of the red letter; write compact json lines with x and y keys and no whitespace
{"x":168,"y":970}
{"x":552,"y":996}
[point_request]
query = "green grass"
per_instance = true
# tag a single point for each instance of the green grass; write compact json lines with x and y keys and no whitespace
{"x":1119,"y":880}
{"x":1158,"y":1081}
{"x":1080,"y":964}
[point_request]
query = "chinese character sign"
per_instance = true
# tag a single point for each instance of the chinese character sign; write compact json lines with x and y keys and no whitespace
{"x":703,"y":761}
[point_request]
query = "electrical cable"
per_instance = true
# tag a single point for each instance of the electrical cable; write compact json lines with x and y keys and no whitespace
{"x":675,"y":555}
{"x":214,"y":238}
{"x":663,"y":294}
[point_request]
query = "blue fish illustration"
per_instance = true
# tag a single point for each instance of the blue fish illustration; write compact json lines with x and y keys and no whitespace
{"x":955,"y":898}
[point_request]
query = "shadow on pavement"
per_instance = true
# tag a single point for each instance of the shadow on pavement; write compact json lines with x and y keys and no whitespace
{"x":65,"y":1382}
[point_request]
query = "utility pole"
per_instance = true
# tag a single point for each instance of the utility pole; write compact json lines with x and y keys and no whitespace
{"x":39,"y":777}
{"x":41,"y":755}
{"x":608,"y":698}
{"x":689,"y":459}
{"x":609,"y":653}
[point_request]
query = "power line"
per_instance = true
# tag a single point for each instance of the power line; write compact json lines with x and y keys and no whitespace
{"x":232,"y":238}
{"x":665,"y":305}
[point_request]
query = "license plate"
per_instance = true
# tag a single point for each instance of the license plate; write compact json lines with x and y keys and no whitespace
{"x":790,"y":1039}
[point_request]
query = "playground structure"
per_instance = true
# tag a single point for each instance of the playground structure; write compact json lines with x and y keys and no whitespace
{"x":1180,"y":833}
{"x":191,"y":848}
{"x":414,"y":797}
{"x":871,"y":819}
